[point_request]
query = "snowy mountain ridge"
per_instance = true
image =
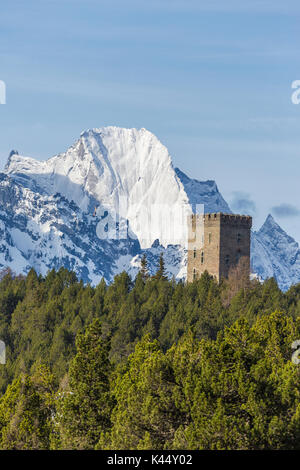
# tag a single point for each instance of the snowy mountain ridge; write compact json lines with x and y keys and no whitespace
{"x":51,"y":210}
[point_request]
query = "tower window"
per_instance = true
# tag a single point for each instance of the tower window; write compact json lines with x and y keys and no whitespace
{"x":238,"y":255}
{"x":209,"y":237}
{"x":227,"y":260}
{"x":195,"y":252}
{"x":202,"y":257}
{"x":239,"y":237}
{"x":194,"y":274}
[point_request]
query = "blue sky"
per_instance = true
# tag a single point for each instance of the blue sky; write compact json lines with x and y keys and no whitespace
{"x":212,"y":79}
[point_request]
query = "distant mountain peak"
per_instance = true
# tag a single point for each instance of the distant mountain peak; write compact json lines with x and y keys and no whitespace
{"x":13,"y":152}
{"x":270,"y":227}
{"x":271,"y":221}
{"x":185,"y":178}
{"x":274,"y":253}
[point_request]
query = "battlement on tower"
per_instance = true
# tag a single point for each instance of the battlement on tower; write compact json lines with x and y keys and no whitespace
{"x":220,"y":216}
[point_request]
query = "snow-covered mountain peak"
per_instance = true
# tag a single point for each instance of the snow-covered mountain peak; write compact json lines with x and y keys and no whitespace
{"x":269,"y":223}
{"x":126,"y":171}
{"x":19,"y":162}
{"x":275,"y":254}
{"x":272,"y":229}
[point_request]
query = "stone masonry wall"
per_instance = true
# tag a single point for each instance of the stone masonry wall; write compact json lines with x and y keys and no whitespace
{"x":216,"y":243}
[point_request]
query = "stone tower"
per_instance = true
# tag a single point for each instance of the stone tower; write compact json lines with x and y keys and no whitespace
{"x":217,"y":243}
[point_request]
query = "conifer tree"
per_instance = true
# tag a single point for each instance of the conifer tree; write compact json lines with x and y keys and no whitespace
{"x":85,"y":404}
{"x":242,"y":389}
{"x":161,"y":272}
{"x":144,"y":268}
{"x":146,"y":415}
{"x":26,"y":411}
